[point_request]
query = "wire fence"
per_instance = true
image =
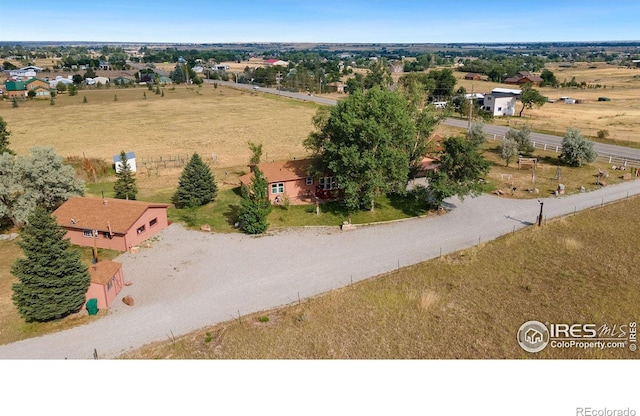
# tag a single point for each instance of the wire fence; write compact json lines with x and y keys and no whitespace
{"x":152,"y":164}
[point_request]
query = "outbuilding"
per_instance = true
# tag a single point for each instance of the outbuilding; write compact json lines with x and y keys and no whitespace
{"x":106,"y":282}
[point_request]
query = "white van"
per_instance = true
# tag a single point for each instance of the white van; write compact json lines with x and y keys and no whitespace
{"x":440,"y":104}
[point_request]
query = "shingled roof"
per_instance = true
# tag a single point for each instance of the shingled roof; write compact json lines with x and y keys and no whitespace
{"x":103,"y":271}
{"x":90,"y":213}
{"x":281,"y":171}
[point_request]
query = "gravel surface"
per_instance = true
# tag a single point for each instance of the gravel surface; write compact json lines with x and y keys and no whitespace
{"x":190,"y":279}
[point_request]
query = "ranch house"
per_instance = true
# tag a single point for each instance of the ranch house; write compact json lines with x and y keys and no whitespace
{"x":290,"y":179}
{"x":115,"y":224}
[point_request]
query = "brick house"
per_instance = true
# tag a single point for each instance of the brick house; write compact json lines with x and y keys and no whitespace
{"x":115,"y":224}
{"x":291,"y":179}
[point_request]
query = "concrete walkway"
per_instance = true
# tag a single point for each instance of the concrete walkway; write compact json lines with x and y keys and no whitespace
{"x":188,"y":280}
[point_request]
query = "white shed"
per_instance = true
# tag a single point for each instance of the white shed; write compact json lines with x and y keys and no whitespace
{"x":131,"y":161}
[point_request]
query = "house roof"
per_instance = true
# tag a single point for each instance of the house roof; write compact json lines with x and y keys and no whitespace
{"x":36,"y":79}
{"x":108,"y":214}
{"x":129,"y":155}
{"x":15,"y":85}
{"x":103,"y":271}
{"x":506,"y":91}
{"x":290,"y":170}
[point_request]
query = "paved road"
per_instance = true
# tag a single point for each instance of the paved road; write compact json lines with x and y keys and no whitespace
{"x":189,"y":279}
{"x":602,"y":149}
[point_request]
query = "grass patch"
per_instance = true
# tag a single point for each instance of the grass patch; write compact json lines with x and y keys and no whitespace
{"x":469,"y":304}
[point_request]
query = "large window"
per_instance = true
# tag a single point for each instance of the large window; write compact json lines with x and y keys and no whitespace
{"x":277,"y":188}
{"x":309,"y":181}
{"x":327,"y":183}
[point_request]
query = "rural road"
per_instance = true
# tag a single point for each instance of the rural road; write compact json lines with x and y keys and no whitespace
{"x":188,"y":279}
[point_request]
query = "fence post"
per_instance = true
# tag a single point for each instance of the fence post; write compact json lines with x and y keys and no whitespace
{"x":609,"y":159}
{"x":545,"y":146}
{"x":556,"y":149}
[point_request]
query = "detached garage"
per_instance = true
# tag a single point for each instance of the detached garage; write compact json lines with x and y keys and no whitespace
{"x":106,"y":282}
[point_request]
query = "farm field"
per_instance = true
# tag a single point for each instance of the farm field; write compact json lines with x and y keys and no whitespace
{"x":620,"y":116}
{"x":467,"y":305}
{"x":215,"y":122}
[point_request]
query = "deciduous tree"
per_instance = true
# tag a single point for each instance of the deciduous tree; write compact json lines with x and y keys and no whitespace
{"x":52,"y":280}
{"x":37,"y":180}
{"x":367,"y":144}
{"x":521,"y":137}
{"x":530,"y":97}
{"x":459,"y":172}
{"x":255,"y":205}
{"x":197,"y":185}
{"x":125,"y":186}
{"x":508,"y":149}
{"x":576,"y":150}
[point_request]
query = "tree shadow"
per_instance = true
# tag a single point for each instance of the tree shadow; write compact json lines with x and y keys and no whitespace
{"x":409,"y":204}
{"x":232,"y":214}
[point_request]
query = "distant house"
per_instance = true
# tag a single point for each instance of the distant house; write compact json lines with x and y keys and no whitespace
{"x":524,"y":77}
{"x":103,"y":65}
{"x":131,"y":162}
{"x":337,"y":86}
{"x":198,"y":69}
{"x":275,"y":62}
{"x":164,"y":80}
{"x":291,"y":179}
{"x":21,"y":73}
{"x":101,"y":80}
{"x":115,"y":224}
{"x":15,"y":89}
{"x":107,"y":281}
{"x":501,"y":101}
{"x":221,"y":67}
{"x":472,"y":76}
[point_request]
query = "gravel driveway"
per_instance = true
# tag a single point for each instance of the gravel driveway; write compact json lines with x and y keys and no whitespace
{"x":189,"y":279}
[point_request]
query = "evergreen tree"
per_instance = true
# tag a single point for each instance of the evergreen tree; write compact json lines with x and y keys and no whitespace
{"x":53,"y":281}
{"x":4,"y":137}
{"x":197,"y":185}
{"x":125,"y":186}
{"x":255,"y":205}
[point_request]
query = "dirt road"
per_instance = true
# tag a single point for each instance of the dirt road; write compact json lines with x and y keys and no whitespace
{"x":189,"y":279}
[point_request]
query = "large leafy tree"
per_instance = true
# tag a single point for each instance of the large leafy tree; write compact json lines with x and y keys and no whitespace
{"x":255,"y":205}
{"x":461,"y":166}
{"x":37,"y":180}
{"x":576,"y":150}
{"x":125,"y":186}
{"x":367,"y":143}
{"x":530,"y":98}
{"x":52,"y":280}
{"x":521,"y":137}
{"x":197,"y":185}
{"x":4,"y":138}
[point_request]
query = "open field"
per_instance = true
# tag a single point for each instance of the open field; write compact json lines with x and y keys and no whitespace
{"x":211,"y":121}
{"x":469,"y":304}
{"x":620,"y":116}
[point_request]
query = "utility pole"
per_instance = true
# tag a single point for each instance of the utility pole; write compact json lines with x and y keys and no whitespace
{"x":470,"y":109}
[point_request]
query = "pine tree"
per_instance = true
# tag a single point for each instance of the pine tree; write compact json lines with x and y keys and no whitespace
{"x":4,"y":137}
{"x":125,"y":186}
{"x":255,"y":205}
{"x":53,"y":281}
{"x":197,"y":185}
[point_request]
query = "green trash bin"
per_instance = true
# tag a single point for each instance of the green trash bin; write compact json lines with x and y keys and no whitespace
{"x":92,"y":306}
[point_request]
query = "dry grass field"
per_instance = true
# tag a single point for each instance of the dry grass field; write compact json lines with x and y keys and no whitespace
{"x":620,"y":116}
{"x":206,"y":120}
{"x":466,"y":305}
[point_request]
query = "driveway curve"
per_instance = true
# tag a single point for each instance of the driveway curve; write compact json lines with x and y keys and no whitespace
{"x":188,"y":279}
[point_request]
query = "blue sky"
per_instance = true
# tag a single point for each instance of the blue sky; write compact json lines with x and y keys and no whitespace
{"x":404,"y":21}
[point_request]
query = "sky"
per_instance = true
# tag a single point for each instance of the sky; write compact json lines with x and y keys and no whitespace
{"x":327,"y":21}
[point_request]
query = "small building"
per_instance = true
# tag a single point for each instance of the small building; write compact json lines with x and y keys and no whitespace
{"x":101,"y":80}
{"x":131,"y":162}
{"x":121,"y":81}
{"x":471,"y":76}
{"x":107,"y":281}
{"x":275,"y":62}
{"x":524,"y":77}
{"x":291,"y":179}
{"x":110,"y":223}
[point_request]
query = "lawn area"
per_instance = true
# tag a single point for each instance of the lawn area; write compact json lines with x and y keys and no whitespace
{"x":466,"y":305}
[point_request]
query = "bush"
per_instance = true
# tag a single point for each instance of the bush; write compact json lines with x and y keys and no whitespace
{"x":576,"y":150}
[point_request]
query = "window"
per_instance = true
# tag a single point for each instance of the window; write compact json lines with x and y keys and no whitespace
{"x":309,"y":181}
{"x":499,"y":108}
{"x":327,"y":183}
{"x":153,"y":222}
{"x":87,"y":233}
{"x":277,"y":188}
{"x":140,"y":229}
